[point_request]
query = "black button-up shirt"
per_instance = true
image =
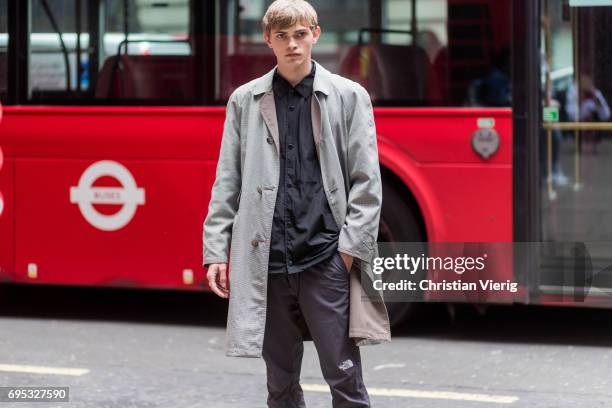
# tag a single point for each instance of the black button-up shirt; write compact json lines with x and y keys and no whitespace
{"x":304,"y":231}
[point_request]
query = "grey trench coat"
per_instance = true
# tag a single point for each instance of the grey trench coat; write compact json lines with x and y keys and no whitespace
{"x":239,"y":221}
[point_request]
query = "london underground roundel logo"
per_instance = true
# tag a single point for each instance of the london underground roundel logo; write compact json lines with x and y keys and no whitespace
{"x":129,"y":195}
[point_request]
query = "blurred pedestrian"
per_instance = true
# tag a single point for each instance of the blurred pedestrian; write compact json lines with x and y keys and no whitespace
{"x":586,"y":103}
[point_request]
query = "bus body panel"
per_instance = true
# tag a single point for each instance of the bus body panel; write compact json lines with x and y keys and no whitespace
{"x":112,"y":132}
{"x":171,"y":155}
{"x":451,"y":195}
{"x":411,"y":175}
{"x":7,"y":219}
{"x":468,"y":201}
{"x":444,"y":135}
{"x":157,"y":247}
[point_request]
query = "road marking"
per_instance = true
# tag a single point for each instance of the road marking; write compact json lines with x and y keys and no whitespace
{"x":402,"y":392}
{"x":383,"y":366}
{"x":19,"y":368}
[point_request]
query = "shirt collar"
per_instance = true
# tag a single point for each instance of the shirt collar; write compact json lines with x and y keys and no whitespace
{"x":322,"y":81}
{"x":281,"y":86}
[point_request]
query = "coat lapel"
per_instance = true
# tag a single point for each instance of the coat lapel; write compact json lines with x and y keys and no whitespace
{"x":321,"y":84}
{"x":268,"y":111}
{"x":315,"y":113}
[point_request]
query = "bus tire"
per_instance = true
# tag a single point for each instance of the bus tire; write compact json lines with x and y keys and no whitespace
{"x":400,"y":221}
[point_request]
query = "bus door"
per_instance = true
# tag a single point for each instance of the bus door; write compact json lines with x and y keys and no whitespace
{"x":575,"y":163}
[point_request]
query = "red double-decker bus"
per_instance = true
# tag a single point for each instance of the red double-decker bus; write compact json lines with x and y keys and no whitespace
{"x":113,"y":115}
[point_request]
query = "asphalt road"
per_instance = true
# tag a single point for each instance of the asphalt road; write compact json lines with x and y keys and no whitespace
{"x":128,"y":348}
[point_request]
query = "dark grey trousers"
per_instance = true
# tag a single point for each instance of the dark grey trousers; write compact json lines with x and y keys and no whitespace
{"x":317,"y":298}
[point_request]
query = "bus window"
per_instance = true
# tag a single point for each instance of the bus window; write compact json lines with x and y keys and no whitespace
{"x":243,"y":54}
{"x":404,"y":52}
{"x":435,"y":53}
{"x":3,"y":50}
{"x":145,"y":53}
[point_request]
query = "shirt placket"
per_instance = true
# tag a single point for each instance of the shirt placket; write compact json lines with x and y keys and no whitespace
{"x":289,"y":174}
{"x":283,"y":177}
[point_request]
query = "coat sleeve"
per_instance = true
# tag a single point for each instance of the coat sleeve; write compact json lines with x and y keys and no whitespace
{"x":217,"y":229}
{"x":360,"y":230}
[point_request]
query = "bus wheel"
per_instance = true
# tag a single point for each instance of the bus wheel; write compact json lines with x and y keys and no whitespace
{"x":399,"y":222}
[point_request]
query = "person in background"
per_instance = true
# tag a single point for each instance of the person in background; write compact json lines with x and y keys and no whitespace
{"x":586,"y":103}
{"x":495,"y":88}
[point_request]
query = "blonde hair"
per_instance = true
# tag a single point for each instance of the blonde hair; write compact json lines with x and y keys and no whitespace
{"x":286,"y":13}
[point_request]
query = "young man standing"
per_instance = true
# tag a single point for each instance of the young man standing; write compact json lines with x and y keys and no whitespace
{"x":295,"y":209}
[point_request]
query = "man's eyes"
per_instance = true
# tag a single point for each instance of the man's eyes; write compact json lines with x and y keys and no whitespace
{"x":282,"y":36}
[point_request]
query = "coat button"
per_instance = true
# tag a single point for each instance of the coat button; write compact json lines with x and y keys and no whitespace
{"x":269,"y":140}
{"x":254,"y":242}
{"x":259,"y":190}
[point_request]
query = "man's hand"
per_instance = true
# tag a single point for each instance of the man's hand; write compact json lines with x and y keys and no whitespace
{"x":348,"y":260}
{"x":217,"y":279}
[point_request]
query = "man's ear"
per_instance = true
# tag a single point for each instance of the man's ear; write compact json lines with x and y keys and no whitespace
{"x":316,"y":33}
{"x":266,"y":37}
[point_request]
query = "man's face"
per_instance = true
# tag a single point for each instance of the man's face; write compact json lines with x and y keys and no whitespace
{"x":292,"y":46}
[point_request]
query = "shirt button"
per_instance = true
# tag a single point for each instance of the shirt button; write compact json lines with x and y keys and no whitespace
{"x":259,"y":190}
{"x":254,"y":242}
{"x":269,"y":140}
{"x":290,"y":146}
{"x":292,"y":108}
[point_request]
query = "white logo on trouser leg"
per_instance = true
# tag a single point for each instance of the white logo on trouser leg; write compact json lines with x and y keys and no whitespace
{"x":346,"y":364}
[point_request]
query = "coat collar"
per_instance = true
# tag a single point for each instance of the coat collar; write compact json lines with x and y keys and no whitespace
{"x":322,"y":81}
